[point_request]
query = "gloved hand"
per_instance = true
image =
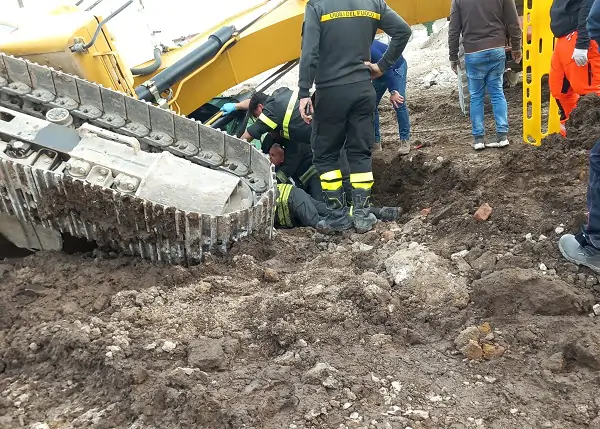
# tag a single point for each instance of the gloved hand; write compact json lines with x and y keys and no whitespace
{"x":580,"y":57}
{"x":228,"y":108}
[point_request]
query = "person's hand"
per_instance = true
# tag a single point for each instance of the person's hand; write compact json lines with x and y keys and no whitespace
{"x":227,"y":108}
{"x":517,"y":56}
{"x":306,"y":109}
{"x":396,"y":99}
{"x":454,"y":66}
{"x":375,"y":70}
{"x":580,"y":57}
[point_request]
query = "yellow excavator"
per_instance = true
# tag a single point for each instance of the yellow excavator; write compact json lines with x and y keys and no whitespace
{"x":186,"y":77}
{"x":132,"y":156}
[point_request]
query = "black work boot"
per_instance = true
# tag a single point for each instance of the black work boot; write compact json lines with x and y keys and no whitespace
{"x":387,"y":214}
{"x":364,"y":220}
{"x":337,"y":219}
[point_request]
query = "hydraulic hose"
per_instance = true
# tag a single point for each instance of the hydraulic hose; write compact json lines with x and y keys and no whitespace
{"x":142,"y":71}
{"x":80,"y":47}
{"x":188,"y":64}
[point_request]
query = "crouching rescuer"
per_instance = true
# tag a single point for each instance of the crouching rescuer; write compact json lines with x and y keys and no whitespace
{"x":336,"y":49}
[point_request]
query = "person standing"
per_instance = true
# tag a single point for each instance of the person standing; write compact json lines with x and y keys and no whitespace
{"x":336,"y":40}
{"x":575,"y":64}
{"x":484,"y":26}
{"x":393,"y":80}
{"x":583,"y":248}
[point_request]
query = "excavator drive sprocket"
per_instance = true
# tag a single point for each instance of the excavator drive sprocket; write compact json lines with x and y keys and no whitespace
{"x":81,"y":159}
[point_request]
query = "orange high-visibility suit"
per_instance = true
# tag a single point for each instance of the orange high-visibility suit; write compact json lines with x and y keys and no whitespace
{"x":569,"y":80}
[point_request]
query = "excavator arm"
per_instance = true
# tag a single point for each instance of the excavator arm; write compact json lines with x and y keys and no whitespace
{"x":239,"y":48}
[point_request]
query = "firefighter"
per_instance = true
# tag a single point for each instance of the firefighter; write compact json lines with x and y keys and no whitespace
{"x":295,"y":162}
{"x":277,"y":156}
{"x":336,"y":41}
{"x":575,"y":64}
{"x":277,"y":113}
{"x":295,"y":208}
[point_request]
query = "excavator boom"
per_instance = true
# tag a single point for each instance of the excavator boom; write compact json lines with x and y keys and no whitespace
{"x":210,"y":63}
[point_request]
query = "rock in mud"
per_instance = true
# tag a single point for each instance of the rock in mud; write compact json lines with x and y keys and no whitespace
{"x":555,"y":363}
{"x":485,"y":262}
{"x":585,"y":350}
{"x":206,"y":354}
{"x":319,"y":373}
{"x":472,"y":350}
{"x":466,"y":335}
{"x":270,"y":275}
{"x":516,"y":290}
{"x":428,"y":277}
{"x":483,"y":213}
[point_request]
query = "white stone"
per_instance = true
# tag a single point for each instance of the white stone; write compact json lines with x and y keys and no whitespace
{"x":168,"y":346}
{"x":559,"y":230}
{"x":596,"y":309}
{"x":460,"y":254}
{"x":543,"y":267}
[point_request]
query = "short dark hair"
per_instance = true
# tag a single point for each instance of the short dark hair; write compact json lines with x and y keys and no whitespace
{"x":257,"y":98}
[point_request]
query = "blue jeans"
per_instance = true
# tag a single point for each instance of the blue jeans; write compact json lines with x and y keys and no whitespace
{"x":592,"y":228}
{"x":401,"y":112}
{"x":485,"y":69}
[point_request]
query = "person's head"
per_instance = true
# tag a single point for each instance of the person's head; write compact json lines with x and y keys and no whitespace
{"x":276,"y":154}
{"x":256,"y":104}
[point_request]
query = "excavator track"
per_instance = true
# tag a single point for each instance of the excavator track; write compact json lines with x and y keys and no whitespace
{"x":81,"y":159}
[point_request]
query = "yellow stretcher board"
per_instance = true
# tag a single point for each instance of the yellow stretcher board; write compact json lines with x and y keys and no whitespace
{"x":539,"y":120}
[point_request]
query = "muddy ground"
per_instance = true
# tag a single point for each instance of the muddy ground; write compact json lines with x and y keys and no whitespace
{"x":437,"y":321}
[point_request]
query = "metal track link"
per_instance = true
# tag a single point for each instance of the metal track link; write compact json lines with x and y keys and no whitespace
{"x":56,"y":199}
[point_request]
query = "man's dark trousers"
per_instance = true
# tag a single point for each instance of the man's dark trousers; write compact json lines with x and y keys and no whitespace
{"x":344,"y":113}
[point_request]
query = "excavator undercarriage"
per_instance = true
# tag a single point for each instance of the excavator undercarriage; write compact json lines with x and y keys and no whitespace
{"x":80,"y":159}
{"x":99,"y":150}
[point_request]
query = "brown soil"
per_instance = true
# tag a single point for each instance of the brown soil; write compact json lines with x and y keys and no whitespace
{"x":349,"y":331}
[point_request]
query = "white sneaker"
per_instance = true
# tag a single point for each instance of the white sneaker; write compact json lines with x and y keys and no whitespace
{"x":501,"y":140}
{"x":479,"y":143}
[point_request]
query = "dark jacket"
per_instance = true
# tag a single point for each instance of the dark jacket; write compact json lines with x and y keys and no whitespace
{"x":377,"y":50}
{"x":567,"y":16}
{"x":336,"y":39}
{"x":593,"y":22}
{"x":273,"y":117}
{"x":484,"y":24}
{"x":298,"y":164}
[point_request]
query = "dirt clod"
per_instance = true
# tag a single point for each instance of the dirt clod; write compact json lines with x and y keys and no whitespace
{"x":206,"y":354}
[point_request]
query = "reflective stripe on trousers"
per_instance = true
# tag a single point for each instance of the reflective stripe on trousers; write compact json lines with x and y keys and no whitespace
{"x":282,"y":205}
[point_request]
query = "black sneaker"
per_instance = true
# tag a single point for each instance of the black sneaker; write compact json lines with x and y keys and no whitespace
{"x":577,"y":249}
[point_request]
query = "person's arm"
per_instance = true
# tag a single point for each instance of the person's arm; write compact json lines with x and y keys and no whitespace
{"x":512,"y":24}
{"x":593,"y":22}
{"x":397,"y":28}
{"x":583,"y":37}
{"x":227,"y":108}
{"x":388,"y":77}
{"x":266,"y":121}
{"x":454,"y":30}
{"x":309,"y":58}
